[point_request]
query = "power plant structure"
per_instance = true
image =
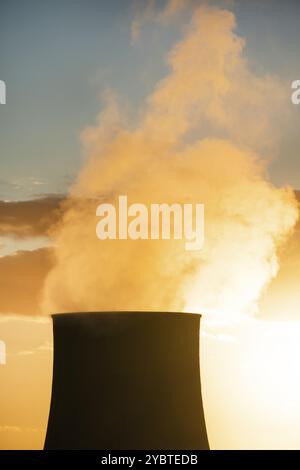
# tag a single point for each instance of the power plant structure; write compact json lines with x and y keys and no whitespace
{"x":126,"y":381}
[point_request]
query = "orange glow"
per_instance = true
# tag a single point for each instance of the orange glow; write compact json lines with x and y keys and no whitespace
{"x":251,"y":384}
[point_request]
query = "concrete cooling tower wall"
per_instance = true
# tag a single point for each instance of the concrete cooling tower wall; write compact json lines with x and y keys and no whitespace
{"x":126,"y":381}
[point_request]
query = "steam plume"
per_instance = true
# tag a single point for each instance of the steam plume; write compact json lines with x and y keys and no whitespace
{"x":200,"y":139}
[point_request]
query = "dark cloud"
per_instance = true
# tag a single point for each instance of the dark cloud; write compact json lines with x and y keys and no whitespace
{"x":22,"y":277}
{"x":31,"y":218}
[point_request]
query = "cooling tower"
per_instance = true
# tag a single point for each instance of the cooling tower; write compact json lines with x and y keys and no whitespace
{"x":126,"y":381}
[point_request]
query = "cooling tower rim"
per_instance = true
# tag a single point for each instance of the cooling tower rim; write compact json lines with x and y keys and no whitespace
{"x":125,"y":312}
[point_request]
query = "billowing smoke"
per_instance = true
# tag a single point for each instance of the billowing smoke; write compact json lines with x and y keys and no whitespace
{"x":202,"y":137}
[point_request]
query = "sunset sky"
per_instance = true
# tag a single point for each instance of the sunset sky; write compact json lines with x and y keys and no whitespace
{"x":57,"y":57}
{"x":58,"y":60}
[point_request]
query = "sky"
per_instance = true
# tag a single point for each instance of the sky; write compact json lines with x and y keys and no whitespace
{"x":58,"y":58}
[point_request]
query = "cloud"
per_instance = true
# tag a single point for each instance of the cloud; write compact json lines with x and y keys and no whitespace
{"x":201,"y":137}
{"x":44,"y":347}
{"x":22,"y":277}
{"x":142,"y":17}
{"x":10,"y":429}
{"x":172,"y":8}
{"x":20,"y":187}
{"x":152,"y":11}
{"x":11,"y":317}
{"x":5,"y":183}
{"x":23,"y":219}
{"x":222,"y":337}
{"x":25,"y":352}
{"x":19,"y":437}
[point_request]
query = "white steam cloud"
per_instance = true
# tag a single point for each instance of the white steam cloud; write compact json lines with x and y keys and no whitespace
{"x":199,"y":140}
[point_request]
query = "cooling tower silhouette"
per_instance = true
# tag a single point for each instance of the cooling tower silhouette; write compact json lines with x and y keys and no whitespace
{"x":126,"y":381}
